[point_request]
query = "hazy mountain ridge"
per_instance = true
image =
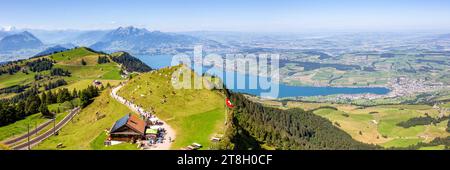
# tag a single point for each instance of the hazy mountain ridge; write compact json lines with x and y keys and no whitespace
{"x":3,"y":34}
{"x":141,"y":40}
{"x":19,"y":45}
{"x":88,"y":38}
{"x":23,"y":40}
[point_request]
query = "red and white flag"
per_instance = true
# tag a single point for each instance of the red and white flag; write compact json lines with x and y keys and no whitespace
{"x":229,"y":103}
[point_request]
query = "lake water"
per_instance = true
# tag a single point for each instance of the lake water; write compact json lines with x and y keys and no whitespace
{"x":283,"y":90}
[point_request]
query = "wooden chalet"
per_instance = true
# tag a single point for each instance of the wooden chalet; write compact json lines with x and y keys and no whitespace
{"x":128,"y":128}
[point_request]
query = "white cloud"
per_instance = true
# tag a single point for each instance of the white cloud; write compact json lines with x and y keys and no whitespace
{"x":8,"y":28}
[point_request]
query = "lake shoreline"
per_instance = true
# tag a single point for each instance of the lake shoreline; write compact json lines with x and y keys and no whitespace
{"x":285,"y":90}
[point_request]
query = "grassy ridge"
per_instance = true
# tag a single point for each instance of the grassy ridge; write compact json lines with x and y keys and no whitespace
{"x":71,"y":55}
{"x":195,"y":114}
{"x":69,"y":60}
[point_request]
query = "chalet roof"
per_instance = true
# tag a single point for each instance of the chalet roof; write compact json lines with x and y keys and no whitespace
{"x":131,"y":121}
{"x":119,"y":123}
{"x":137,"y":124}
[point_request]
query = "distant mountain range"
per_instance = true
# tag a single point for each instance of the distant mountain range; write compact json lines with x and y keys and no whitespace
{"x":140,"y":40}
{"x":23,"y":40}
{"x":32,"y":42}
{"x":3,"y":34}
{"x":87,"y":38}
{"x":24,"y":43}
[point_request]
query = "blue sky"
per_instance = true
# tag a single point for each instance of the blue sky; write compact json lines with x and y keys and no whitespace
{"x":229,"y":15}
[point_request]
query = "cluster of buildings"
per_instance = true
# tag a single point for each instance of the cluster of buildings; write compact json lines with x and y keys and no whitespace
{"x":131,"y":128}
{"x":401,"y":86}
{"x":404,"y":86}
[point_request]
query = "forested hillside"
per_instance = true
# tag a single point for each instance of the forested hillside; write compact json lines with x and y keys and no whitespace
{"x":130,"y":63}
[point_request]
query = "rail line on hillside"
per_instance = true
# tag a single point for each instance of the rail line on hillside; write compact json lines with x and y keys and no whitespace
{"x":31,"y":133}
{"x":48,"y":133}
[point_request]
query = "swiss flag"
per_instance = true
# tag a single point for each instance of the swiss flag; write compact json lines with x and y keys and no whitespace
{"x":229,"y":104}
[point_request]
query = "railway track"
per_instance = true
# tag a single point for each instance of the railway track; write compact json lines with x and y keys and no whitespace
{"x":25,"y":136}
{"x":48,"y":133}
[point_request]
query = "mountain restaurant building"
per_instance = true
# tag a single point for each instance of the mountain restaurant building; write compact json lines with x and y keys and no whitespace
{"x":128,"y":128}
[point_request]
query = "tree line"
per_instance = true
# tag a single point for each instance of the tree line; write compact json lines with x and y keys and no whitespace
{"x":9,"y":69}
{"x":31,"y":102}
{"x":445,"y":141}
{"x":417,"y":121}
{"x":448,"y":127}
{"x":60,"y":72}
{"x":14,"y":89}
{"x":55,"y":84}
{"x":40,"y":65}
{"x":103,"y":60}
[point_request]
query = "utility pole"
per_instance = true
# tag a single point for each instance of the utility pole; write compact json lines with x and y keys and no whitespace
{"x":54,"y":125}
{"x":28,"y":136}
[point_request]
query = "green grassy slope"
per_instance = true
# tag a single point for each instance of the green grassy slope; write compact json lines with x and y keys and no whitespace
{"x":69,"y":60}
{"x":81,"y":77}
{"x":20,"y":127}
{"x":83,"y":132}
{"x":195,"y":114}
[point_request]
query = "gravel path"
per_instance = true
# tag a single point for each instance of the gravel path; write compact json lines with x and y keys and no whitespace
{"x":170,"y":133}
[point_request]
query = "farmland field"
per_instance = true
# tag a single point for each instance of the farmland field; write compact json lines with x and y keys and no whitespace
{"x":378,"y":124}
